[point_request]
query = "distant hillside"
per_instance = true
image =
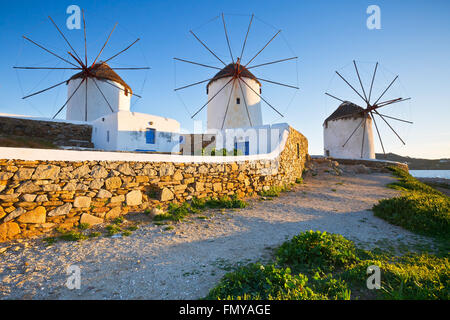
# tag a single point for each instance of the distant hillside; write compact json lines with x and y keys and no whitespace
{"x":417,"y":164}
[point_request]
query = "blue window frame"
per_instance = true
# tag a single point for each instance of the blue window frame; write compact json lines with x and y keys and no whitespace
{"x":244,"y":147}
{"x":150,"y":136}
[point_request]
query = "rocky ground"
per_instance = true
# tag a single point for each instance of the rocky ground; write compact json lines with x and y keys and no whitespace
{"x":187,"y":261}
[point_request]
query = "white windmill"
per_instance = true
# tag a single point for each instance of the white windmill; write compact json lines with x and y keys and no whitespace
{"x":98,"y":95}
{"x":96,"y":90}
{"x":234,"y":93}
{"x":347,"y":132}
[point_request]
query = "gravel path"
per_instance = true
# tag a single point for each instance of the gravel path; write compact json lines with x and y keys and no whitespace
{"x":184,"y":263}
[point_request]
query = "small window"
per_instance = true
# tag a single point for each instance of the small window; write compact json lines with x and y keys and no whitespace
{"x":298,"y":151}
{"x":244,"y":147}
{"x":327,"y":153}
{"x":150,"y":136}
{"x":238,"y":100}
{"x":107,"y":136}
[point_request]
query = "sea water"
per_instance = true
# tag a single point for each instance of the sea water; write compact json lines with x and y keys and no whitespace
{"x":430,"y":173}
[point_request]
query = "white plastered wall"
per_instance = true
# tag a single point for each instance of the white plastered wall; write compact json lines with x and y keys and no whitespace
{"x":97,"y":106}
{"x":237,"y":116}
{"x":127,"y":132}
{"x":336,"y":133}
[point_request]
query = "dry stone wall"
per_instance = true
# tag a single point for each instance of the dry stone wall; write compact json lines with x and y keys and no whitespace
{"x":60,"y":133}
{"x":38,"y":196}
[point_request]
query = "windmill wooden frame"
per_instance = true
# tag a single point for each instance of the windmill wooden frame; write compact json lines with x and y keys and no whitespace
{"x":371,"y":107}
{"x":79,"y":64}
{"x":236,"y":74}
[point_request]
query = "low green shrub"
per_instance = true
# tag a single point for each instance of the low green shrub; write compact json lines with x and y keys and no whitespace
{"x":73,"y":236}
{"x":329,"y":287}
{"x":113,"y":229}
{"x":118,"y":220}
{"x":410,"y":277}
{"x":407,"y":182}
{"x":259,"y":282}
{"x":273,"y":191}
{"x":94,"y":234}
{"x":225,"y":202}
{"x":420,"y":208}
{"x":83,"y":226}
{"x":427,"y":214}
{"x":315,"y":249}
{"x":177,"y":212}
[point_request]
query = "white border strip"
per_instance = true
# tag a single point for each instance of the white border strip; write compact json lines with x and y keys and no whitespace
{"x":76,"y":155}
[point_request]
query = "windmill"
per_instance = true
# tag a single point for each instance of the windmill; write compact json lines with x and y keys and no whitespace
{"x":234,"y":92}
{"x":348,"y":131}
{"x":96,"y":89}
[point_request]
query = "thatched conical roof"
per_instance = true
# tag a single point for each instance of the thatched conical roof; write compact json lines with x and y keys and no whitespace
{"x":231,"y":70}
{"x":102,"y":71}
{"x":346,"y":110}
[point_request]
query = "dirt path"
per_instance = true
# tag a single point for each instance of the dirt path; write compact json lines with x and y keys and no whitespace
{"x":186,"y":262}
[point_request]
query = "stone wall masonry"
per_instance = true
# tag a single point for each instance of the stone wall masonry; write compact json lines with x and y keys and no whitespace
{"x":58,"y":132}
{"x":38,"y":196}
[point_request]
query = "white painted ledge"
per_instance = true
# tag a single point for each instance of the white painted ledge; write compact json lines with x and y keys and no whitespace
{"x":76,"y":155}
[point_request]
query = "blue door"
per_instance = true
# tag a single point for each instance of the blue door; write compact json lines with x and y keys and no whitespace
{"x":150,"y":136}
{"x":244,"y":147}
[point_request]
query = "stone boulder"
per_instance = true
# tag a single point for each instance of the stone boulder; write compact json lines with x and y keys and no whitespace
{"x":82,"y":202}
{"x":166,"y":195}
{"x":37,"y":215}
{"x":90,"y":219}
{"x":134,"y":198}
{"x":8,"y":230}
{"x":46,"y":172}
{"x":61,"y":210}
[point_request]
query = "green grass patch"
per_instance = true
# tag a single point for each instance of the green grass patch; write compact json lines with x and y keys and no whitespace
{"x":262,"y":282}
{"x":73,"y":236}
{"x":315,"y":249}
{"x":113,"y":229}
{"x":225,"y":202}
{"x":83,"y":226}
{"x":329,"y":266}
{"x":49,"y":240}
{"x":274,"y":191}
{"x":177,"y":212}
{"x":420,"y":208}
{"x":118,"y":220}
{"x":94,"y":234}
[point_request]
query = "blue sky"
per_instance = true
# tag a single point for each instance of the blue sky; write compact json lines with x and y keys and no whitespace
{"x":413,"y":42}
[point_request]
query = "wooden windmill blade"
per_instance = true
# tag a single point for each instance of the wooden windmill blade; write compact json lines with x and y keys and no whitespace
{"x":228,"y":103}
{"x":78,"y":63}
